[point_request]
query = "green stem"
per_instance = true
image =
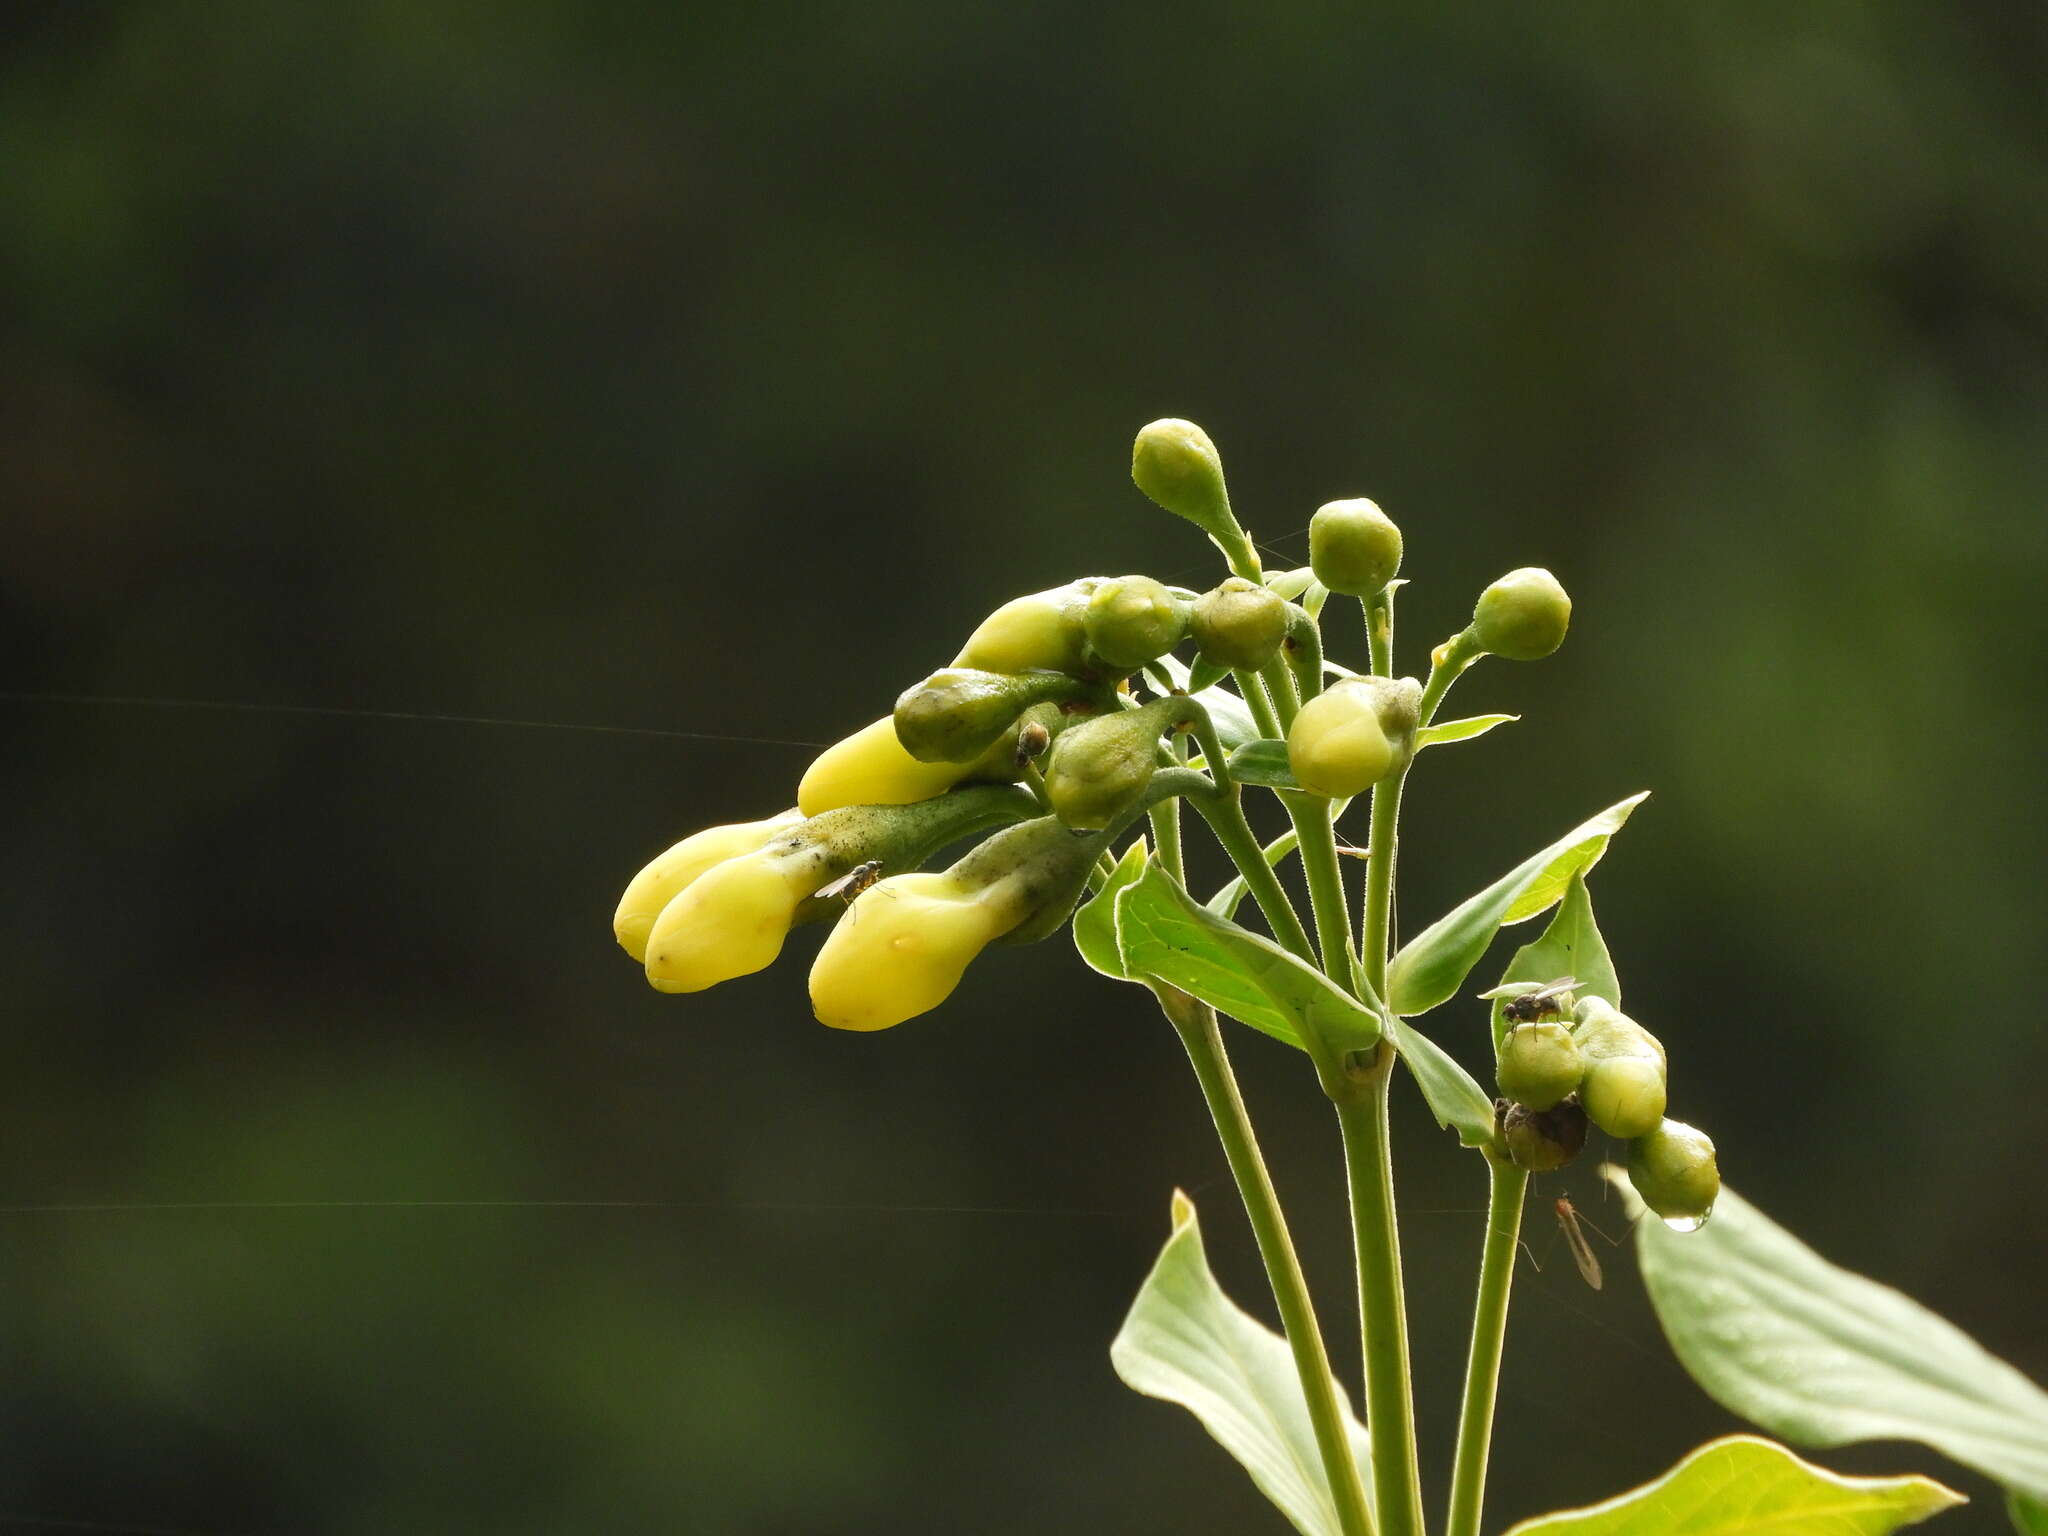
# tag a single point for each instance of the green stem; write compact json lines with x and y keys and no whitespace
{"x":1280,"y":685}
{"x":1226,"y":819}
{"x":1489,"y":1330}
{"x":1318,"y":843}
{"x":1254,"y":693}
{"x":1447,"y":665}
{"x":1196,"y":1026}
{"x":1382,"y":848}
{"x":1379,"y":630}
{"x":1166,"y":821}
{"x":1383,"y":1317}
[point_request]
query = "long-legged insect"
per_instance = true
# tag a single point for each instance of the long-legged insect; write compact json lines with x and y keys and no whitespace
{"x":1575,"y":1239}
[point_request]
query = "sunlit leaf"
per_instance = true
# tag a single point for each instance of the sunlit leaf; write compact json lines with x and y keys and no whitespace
{"x":2029,"y":1516}
{"x":1095,"y":923}
{"x":1459,"y":730}
{"x":1824,"y":1357}
{"x":1164,"y":932}
{"x":1454,"y":1098}
{"x":1570,"y":946}
{"x":1227,"y":712}
{"x":1434,"y":964}
{"x":1186,"y":1342}
{"x":1743,"y":1484}
{"x":1263,"y":762}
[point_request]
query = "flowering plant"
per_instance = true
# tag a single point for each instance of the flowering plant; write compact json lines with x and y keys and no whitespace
{"x":1068,"y":735}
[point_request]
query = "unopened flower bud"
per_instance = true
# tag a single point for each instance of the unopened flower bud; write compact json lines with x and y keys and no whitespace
{"x":1132,"y":620}
{"x":1543,"y":1139}
{"x":1539,"y":1065}
{"x":1674,"y":1170}
{"x":1100,"y":766}
{"x":1624,"y":1086}
{"x":1175,"y":464}
{"x":1523,"y":616}
{"x":1353,"y":547}
{"x":1239,"y":625}
{"x":669,"y":872}
{"x":1041,"y":631}
{"x":956,"y":715}
{"x":1352,"y":735}
{"x":904,"y":943}
{"x":870,"y":767}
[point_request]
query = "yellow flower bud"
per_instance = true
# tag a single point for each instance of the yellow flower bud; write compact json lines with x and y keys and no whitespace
{"x":664,"y":878}
{"x":1042,"y":631}
{"x":731,"y":920}
{"x":1175,"y":464}
{"x":1347,"y":739}
{"x":871,"y":767}
{"x":1523,"y":616}
{"x":904,"y":944}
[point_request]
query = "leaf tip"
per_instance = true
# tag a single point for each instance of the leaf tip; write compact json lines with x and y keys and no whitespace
{"x":1182,"y":1211}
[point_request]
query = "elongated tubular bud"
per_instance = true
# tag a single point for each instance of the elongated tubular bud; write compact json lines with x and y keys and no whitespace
{"x":731,"y":921}
{"x":665,"y":876}
{"x":870,"y":767}
{"x":905,"y":943}
{"x":1353,"y":547}
{"x":1041,"y":631}
{"x":1675,"y":1171}
{"x":1523,"y":616}
{"x":956,"y":715}
{"x":1132,"y":620}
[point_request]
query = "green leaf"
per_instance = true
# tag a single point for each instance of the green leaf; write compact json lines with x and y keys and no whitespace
{"x":1570,"y":946}
{"x":1434,"y":964}
{"x":1742,"y":1484}
{"x":1095,"y":924}
{"x":1227,"y":712}
{"x":1291,"y":584}
{"x":1205,"y":674}
{"x":1187,"y":1343}
{"x":1453,"y":1097}
{"x":1824,"y":1357}
{"x":1263,"y":762}
{"x":1162,"y":932}
{"x":2029,"y":1516}
{"x":1459,"y":730}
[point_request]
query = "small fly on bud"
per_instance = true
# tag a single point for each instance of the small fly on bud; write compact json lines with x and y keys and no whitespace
{"x":1032,"y":741}
{"x":1552,"y":1000}
{"x":854,"y":881}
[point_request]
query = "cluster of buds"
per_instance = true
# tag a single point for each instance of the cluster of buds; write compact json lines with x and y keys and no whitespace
{"x":1565,"y":1064}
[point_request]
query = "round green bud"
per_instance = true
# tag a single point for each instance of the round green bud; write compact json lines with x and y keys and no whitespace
{"x":1539,"y":1065}
{"x":1041,"y":631}
{"x":956,"y":715}
{"x":1673,"y":1169}
{"x":1523,"y":616}
{"x":1603,"y":1030}
{"x":1240,"y":625}
{"x":1175,"y":464}
{"x":1100,"y":766}
{"x":1133,"y":620}
{"x":1624,"y":1086}
{"x":1353,"y":547}
{"x":1543,"y":1140}
{"x":1352,"y":735}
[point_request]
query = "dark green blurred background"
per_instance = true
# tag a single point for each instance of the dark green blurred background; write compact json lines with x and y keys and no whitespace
{"x":713,"y":368}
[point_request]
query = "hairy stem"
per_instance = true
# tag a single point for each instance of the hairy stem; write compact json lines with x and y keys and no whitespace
{"x":1383,"y":1315}
{"x":1196,"y":1025}
{"x":1489,"y":1330}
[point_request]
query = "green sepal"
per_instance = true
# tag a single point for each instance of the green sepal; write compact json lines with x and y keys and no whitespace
{"x":1184,"y":1341}
{"x":1742,"y":1484}
{"x":957,"y":714}
{"x":1434,"y":964}
{"x":2029,"y":1516}
{"x":1822,"y":1356}
{"x":1050,"y":856}
{"x":902,"y":837}
{"x":1101,"y":766}
{"x":1163,"y":932}
{"x":1453,"y":1096}
{"x":1205,"y":674}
